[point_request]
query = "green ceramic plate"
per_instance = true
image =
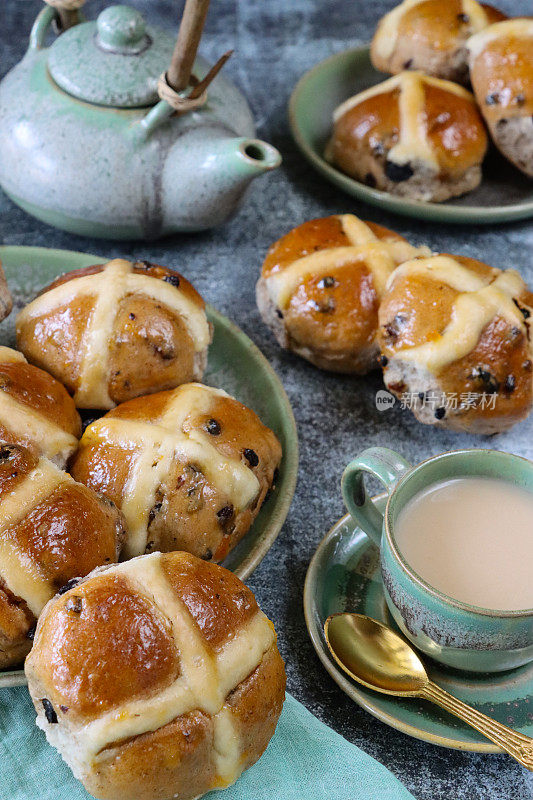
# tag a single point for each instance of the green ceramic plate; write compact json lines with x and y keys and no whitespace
{"x":234,"y":364}
{"x":344,"y":575}
{"x":505,"y":194}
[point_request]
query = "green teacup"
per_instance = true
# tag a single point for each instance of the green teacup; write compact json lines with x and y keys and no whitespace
{"x":452,"y":632}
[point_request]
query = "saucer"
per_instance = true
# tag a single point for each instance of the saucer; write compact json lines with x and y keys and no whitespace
{"x":344,"y":575}
{"x":504,"y":193}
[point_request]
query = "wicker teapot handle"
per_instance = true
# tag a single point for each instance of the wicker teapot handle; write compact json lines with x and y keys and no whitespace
{"x":173,"y":84}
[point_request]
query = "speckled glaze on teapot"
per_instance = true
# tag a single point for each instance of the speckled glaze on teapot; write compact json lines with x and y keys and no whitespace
{"x":87,"y":146}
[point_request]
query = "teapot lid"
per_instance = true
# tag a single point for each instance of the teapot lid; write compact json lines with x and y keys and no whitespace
{"x":115,"y":61}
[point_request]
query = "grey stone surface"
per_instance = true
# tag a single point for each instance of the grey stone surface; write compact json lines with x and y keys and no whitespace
{"x":275,"y":42}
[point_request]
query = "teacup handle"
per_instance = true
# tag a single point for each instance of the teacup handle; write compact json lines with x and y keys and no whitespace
{"x":384,"y":464}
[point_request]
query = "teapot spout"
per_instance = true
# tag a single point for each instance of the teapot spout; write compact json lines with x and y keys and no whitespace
{"x":205,"y":177}
{"x":253,"y":157}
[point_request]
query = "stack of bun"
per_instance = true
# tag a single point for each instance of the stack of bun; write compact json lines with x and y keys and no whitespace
{"x":451,"y":334}
{"x":160,"y":675}
{"x":188,"y":466}
{"x":420,"y":134}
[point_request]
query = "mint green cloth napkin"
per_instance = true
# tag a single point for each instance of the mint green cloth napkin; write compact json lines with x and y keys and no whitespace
{"x":305,"y":759}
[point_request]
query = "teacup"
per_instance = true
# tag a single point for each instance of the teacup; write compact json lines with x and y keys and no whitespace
{"x":454,"y":633}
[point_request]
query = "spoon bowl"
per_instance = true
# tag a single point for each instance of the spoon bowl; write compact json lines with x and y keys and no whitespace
{"x":375,"y":655}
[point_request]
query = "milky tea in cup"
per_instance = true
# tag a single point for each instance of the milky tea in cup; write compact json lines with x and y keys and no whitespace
{"x":471,"y":538}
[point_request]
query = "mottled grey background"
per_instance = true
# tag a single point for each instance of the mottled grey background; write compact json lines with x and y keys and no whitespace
{"x":276,"y":41}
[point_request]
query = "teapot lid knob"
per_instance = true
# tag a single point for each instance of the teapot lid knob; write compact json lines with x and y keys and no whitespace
{"x":121,"y":29}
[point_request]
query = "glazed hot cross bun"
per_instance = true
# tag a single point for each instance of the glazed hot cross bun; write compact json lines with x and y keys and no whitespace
{"x":411,"y":135}
{"x":501,"y":68}
{"x":115,"y":331}
{"x":320,"y":288}
{"x":189,"y":468}
{"x":455,"y":339}
{"x":157,"y":678}
{"x":36,"y":410}
{"x":52,"y":529}
{"x":430,"y":35}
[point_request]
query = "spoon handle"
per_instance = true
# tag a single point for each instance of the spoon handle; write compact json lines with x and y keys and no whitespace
{"x":518,"y":746}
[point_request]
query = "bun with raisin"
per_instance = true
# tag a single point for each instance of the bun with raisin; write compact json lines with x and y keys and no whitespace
{"x":430,"y":36}
{"x":320,"y":288}
{"x":36,"y":410}
{"x":501,"y":68}
{"x":157,"y":678}
{"x":455,"y":338}
{"x":414,"y":136}
{"x":115,"y":331}
{"x":189,"y":468}
{"x":52,"y":530}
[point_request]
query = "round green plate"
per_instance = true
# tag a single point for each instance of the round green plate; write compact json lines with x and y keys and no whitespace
{"x":504,"y":194}
{"x":234,"y":364}
{"x":344,"y":575}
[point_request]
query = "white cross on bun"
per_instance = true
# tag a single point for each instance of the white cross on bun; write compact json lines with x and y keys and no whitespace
{"x":455,"y":339}
{"x":320,"y":288}
{"x":412,"y":135}
{"x":431,"y":36}
{"x":115,"y":331}
{"x":190,"y":469}
{"x":157,"y":678}
{"x":52,"y":529}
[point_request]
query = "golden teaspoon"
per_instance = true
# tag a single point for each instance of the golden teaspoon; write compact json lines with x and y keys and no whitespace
{"x":374,"y":655}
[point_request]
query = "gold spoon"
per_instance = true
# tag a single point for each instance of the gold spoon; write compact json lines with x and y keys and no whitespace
{"x":380,"y":659}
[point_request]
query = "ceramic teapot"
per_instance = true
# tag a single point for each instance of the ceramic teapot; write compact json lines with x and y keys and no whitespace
{"x":86,"y":144}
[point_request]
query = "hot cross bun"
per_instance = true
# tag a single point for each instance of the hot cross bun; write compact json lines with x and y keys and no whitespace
{"x":501,"y":68}
{"x":456,"y":343}
{"x":431,"y":36}
{"x":157,"y":678}
{"x":411,"y":135}
{"x":320,"y":288}
{"x":52,"y":529}
{"x":115,"y":331}
{"x":36,"y":410}
{"x":189,"y":468}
